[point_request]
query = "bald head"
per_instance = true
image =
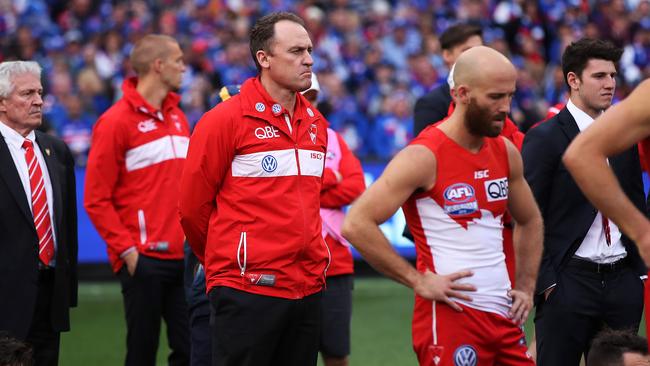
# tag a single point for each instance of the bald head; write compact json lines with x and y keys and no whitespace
{"x":481,"y":65}
{"x":148,"y":49}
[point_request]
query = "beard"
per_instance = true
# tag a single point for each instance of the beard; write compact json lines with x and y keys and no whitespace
{"x":479,"y":121}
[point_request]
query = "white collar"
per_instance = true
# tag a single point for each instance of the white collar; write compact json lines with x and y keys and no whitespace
{"x":583,"y":120}
{"x":12,"y":136}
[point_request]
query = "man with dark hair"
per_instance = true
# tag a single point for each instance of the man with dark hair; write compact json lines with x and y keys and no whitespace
{"x":590,"y":273}
{"x":618,"y":348}
{"x":131,"y":196}
{"x":249,"y":205}
{"x":434,"y":106}
{"x":14,"y":352}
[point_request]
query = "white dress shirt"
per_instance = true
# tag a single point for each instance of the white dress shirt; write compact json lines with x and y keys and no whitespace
{"x":14,"y":142}
{"x":594,"y":247}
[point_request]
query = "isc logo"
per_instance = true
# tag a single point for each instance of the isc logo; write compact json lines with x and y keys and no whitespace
{"x":317,"y":156}
{"x":266,"y":132}
{"x":459,"y":192}
{"x":482,"y":174}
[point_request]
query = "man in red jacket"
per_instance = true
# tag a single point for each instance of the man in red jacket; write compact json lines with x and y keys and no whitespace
{"x":137,"y":155}
{"x":250,"y":200}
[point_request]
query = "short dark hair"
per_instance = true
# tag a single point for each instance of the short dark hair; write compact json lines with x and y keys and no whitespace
{"x":577,"y":55}
{"x":458,"y":34}
{"x":14,"y":352}
{"x":264,"y":29}
{"x":609,"y":345}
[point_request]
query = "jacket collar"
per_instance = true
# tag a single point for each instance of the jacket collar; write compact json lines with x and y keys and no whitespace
{"x":256,"y":102}
{"x":138,"y":103}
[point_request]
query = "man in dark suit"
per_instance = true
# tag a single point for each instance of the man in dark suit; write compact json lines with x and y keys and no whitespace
{"x":591,"y":274}
{"x":38,"y":218}
{"x":434,"y":106}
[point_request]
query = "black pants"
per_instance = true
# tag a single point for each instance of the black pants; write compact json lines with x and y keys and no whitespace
{"x":337,"y":315}
{"x":256,"y":330}
{"x":43,"y":339}
{"x":200,"y":333}
{"x":582,"y":303}
{"x":155,"y":290}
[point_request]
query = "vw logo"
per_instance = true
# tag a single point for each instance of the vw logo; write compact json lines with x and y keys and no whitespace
{"x":269,"y":163}
{"x":465,"y":355}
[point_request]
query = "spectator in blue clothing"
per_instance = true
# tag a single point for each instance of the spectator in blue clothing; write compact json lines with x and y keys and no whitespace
{"x":393,"y":129}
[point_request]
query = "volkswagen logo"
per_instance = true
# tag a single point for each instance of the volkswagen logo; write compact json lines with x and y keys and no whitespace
{"x":465,"y":355}
{"x":269,"y":163}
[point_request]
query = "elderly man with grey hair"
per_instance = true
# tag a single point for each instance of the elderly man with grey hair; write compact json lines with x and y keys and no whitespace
{"x":38,"y":218}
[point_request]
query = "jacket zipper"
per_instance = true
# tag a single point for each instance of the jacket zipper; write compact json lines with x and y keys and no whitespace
{"x":242,"y":244}
{"x":143,"y":228}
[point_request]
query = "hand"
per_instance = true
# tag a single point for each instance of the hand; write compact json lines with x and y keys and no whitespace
{"x":522,"y":302}
{"x":436,"y":287}
{"x":131,"y":261}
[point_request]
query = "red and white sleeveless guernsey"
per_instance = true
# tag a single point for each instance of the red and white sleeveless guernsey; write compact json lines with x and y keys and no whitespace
{"x":458,"y":224}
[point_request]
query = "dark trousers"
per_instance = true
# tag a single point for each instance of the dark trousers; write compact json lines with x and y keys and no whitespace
{"x":256,"y":330}
{"x":200,"y":333}
{"x":582,"y":303}
{"x":43,"y":339}
{"x":155,"y":290}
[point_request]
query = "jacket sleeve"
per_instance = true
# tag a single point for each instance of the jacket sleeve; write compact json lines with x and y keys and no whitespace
{"x":105,"y":159}
{"x":70,"y":220}
{"x":352,"y":183}
{"x":541,"y":158}
{"x":209,"y":157}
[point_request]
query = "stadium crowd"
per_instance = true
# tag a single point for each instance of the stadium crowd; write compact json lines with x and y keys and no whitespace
{"x":374,"y":58}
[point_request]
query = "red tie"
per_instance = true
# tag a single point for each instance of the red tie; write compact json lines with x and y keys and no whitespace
{"x":40,"y":210}
{"x":608,"y":235}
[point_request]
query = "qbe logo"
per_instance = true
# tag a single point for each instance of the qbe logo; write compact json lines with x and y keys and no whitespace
{"x":460,"y":199}
{"x":465,"y":355}
{"x":496,"y":189}
{"x":269,"y":163}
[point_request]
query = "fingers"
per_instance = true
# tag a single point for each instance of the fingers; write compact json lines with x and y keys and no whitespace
{"x":458,"y":275}
{"x":452,"y":304}
{"x":520,"y":308}
{"x":458,"y":295}
{"x":462,"y":286}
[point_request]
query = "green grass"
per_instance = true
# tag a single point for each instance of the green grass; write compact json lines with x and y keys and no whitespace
{"x":381,"y":326}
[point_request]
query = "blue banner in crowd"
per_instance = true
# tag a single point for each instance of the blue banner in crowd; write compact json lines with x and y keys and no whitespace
{"x":93,"y":250}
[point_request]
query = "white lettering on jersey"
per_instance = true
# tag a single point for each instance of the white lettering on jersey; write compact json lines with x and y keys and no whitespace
{"x":267,"y":132}
{"x":496,"y":189}
{"x":482,"y":174}
{"x":147,"y":125}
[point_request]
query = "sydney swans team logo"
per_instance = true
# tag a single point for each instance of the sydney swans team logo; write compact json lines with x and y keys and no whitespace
{"x":465,"y":355}
{"x":269,"y":163}
{"x":313,"y":130}
{"x":460,"y":200}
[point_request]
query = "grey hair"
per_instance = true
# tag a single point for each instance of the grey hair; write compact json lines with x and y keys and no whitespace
{"x":11,"y":69}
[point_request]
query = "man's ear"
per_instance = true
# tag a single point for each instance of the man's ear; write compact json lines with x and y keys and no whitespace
{"x":156,"y":65}
{"x":573,"y":80}
{"x":263,"y":59}
{"x":461,"y":94}
{"x":3,"y":105}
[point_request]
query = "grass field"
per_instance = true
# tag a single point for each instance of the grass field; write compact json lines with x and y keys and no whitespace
{"x":381,"y":324}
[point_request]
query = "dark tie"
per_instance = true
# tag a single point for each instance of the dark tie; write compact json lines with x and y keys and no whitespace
{"x":40,"y":211}
{"x":608,"y":235}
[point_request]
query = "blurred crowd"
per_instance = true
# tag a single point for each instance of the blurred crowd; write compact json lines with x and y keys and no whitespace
{"x":374,"y":58}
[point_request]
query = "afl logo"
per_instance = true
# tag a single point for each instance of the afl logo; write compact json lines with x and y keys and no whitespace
{"x":269,"y":163}
{"x":460,"y":199}
{"x":465,"y":355}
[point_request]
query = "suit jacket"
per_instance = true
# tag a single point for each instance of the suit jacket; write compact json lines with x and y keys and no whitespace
{"x":431,"y":108}
{"x":19,"y":240}
{"x":567,"y":213}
